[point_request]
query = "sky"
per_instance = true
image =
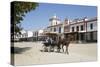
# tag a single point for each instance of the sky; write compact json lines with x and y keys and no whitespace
{"x":39,"y":18}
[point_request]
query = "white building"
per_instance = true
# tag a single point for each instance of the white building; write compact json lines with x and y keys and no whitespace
{"x":24,"y":36}
{"x":55,"y":25}
{"x":54,"y":20}
{"x":82,"y":30}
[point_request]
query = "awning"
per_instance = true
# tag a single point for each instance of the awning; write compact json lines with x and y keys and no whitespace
{"x":71,"y":32}
{"x":51,"y":33}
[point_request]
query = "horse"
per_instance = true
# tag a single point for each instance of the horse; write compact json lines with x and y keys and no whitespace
{"x":64,"y":42}
{"x":59,"y":43}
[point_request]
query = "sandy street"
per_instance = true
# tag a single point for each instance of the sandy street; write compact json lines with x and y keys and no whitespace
{"x":28,"y":53}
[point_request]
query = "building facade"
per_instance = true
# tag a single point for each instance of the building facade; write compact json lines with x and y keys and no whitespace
{"x":82,"y":30}
{"x":24,"y":36}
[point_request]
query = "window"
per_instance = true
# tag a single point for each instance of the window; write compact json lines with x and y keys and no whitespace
{"x":59,"y":29}
{"x":81,"y":27}
{"x":56,"y":23}
{"x":54,"y":29}
{"x":77,"y":28}
{"x":91,"y":26}
{"x":50,"y":29}
{"x":72,"y":29}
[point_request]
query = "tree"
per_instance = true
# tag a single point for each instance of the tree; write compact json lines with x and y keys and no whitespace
{"x":18,"y":11}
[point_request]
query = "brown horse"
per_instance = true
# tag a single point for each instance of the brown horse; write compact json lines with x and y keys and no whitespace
{"x":64,"y":42}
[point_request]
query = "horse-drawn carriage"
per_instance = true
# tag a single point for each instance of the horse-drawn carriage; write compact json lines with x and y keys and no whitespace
{"x":56,"y":43}
{"x":50,"y":42}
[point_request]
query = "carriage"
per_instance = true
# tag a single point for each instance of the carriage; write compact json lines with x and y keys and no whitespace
{"x":48,"y":46}
{"x":58,"y":42}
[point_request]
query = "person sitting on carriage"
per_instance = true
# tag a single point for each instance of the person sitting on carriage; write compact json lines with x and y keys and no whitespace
{"x":49,"y":40}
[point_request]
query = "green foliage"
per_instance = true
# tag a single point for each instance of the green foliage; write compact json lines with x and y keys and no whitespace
{"x":18,"y":11}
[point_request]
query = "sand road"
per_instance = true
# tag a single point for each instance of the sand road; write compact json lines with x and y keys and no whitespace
{"x":28,"y":53}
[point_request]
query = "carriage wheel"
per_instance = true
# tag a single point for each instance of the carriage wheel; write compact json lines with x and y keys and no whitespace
{"x":49,"y":49}
{"x":45,"y":49}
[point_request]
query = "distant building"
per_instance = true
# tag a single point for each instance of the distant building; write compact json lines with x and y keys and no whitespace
{"x":41,"y":35}
{"x":24,"y":36}
{"x":35,"y":35}
{"x":82,"y":30}
{"x":38,"y":35}
{"x":54,"y":20}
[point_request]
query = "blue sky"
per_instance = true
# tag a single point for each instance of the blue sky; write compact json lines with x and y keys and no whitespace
{"x":39,"y":18}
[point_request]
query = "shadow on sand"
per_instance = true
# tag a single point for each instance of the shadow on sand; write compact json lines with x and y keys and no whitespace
{"x":18,"y":50}
{"x":50,"y":51}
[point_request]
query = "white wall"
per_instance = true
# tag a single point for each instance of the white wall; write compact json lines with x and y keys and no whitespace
{"x":40,"y":32}
{"x":30,"y":34}
{"x":75,"y":25}
{"x":94,"y":26}
{"x":88,"y":26}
